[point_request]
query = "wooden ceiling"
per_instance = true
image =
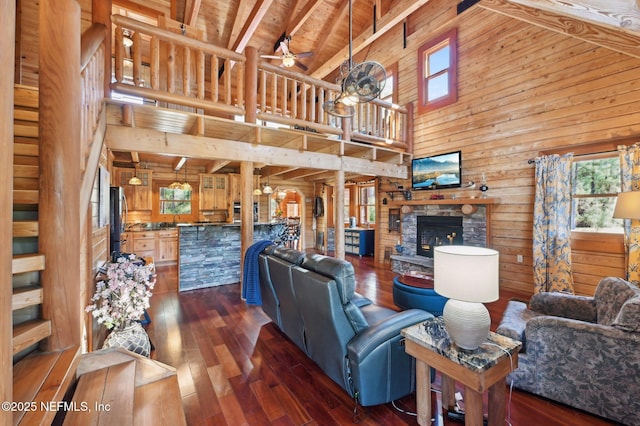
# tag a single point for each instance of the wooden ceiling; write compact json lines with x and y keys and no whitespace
{"x":322,"y":26}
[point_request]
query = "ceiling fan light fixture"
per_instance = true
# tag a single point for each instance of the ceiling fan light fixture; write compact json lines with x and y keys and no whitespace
{"x":126,"y":38}
{"x":288,"y":61}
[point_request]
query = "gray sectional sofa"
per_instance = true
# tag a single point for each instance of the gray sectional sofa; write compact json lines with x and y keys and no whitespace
{"x":312,"y":299}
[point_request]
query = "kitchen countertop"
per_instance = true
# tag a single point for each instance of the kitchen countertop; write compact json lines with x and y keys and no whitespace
{"x":159,"y":226}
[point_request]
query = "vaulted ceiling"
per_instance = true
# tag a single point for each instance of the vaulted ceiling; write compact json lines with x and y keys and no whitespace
{"x":322,"y":26}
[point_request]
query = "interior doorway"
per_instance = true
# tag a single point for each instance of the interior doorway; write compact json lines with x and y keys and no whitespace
{"x":286,"y":204}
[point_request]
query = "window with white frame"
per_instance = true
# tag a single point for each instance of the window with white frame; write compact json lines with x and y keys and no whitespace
{"x":367,"y":205}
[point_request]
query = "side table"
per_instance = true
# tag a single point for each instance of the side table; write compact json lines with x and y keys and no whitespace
{"x":480,"y":370}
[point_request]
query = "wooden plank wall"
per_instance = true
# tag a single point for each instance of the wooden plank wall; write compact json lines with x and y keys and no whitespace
{"x":522,"y":90}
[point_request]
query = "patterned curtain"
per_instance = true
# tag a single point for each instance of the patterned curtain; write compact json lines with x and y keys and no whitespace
{"x":630,"y":173}
{"x":552,"y":224}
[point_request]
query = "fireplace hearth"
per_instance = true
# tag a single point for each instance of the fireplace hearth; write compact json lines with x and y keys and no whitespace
{"x":433,"y":231}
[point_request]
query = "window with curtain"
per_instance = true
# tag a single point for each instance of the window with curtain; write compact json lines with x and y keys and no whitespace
{"x":596,"y":183}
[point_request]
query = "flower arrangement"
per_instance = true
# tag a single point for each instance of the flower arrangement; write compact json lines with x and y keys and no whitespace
{"x":123,"y":296}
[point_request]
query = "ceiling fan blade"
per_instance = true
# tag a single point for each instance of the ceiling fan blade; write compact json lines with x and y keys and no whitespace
{"x":270,"y":57}
{"x":302,"y":66}
{"x":304,"y":54}
{"x":284,"y":47}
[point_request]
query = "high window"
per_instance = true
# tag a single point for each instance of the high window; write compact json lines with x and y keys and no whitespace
{"x":437,"y":72}
{"x":596,"y":183}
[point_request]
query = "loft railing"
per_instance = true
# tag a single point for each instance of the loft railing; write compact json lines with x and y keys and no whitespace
{"x":164,"y":80}
{"x":209,"y":78}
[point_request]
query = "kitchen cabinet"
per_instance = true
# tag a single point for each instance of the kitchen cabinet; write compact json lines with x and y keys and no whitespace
{"x":138,"y":196}
{"x":359,"y":241}
{"x":161,"y":245}
{"x":214,"y":192}
{"x":144,"y":243}
{"x":167,"y":247}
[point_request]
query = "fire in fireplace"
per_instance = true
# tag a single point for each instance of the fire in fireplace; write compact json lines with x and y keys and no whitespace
{"x":435,"y":231}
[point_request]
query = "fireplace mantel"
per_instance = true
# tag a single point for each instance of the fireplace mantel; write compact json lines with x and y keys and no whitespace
{"x":448,"y":201}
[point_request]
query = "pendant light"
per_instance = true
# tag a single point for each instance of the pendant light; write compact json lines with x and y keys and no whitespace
{"x":135,"y":180}
{"x":186,"y":186}
{"x":267,"y":189}
{"x":175,"y":184}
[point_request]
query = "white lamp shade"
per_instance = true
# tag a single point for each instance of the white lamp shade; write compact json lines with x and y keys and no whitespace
{"x":466,"y":273}
{"x":627,"y":205}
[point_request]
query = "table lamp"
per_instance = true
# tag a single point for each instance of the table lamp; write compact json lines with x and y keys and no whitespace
{"x":468,"y":276}
{"x":627,"y":207}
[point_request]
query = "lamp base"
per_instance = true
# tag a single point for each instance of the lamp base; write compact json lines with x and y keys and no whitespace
{"x":467,"y":323}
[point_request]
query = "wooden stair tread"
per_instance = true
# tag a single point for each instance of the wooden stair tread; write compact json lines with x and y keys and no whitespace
{"x":109,"y":394}
{"x":29,"y":333}
{"x":26,"y":115}
{"x":25,"y":96}
{"x":43,"y":377}
{"x":26,"y":149}
{"x":25,"y":171}
{"x":159,"y":403}
{"x":26,"y":130}
{"x":25,"y":228}
{"x":27,"y":263}
{"x":26,"y":296}
{"x":25,"y":196}
{"x":138,"y":390}
{"x":148,"y":370}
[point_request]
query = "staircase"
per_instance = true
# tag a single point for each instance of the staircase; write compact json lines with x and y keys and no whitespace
{"x":37,"y":376}
{"x":120,"y":387}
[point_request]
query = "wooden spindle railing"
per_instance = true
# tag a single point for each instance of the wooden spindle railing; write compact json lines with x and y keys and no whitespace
{"x":92,"y":80}
{"x":296,"y":100}
{"x":156,"y":74}
{"x":381,"y":123}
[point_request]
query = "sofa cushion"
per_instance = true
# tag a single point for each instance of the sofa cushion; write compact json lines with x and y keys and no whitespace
{"x":288,"y":254}
{"x":628,"y":319}
{"x":611,"y":294}
{"x":339,"y":270}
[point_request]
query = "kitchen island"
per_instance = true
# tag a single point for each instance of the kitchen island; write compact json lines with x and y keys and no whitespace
{"x":209,"y":254}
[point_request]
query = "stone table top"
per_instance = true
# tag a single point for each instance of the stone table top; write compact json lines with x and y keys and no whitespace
{"x":433,"y":335}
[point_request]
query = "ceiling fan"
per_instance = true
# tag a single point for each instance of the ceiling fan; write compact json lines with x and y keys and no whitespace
{"x":289,"y":58}
{"x":360,"y":82}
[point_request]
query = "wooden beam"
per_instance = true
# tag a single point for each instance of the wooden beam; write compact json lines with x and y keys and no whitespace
{"x":214,"y":166}
{"x":307,"y":11}
{"x":191,"y":12}
{"x":275,"y":171}
{"x":609,"y":38}
{"x":251,"y":24}
{"x":135,"y":157}
{"x":7,"y":57}
{"x":330,"y":28}
{"x":60,"y":148}
{"x":138,"y":8}
{"x":151,"y":141}
{"x":244,"y":6}
{"x":339,"y":214}
{"x":246,"y":213}
{"x":396,"y":15}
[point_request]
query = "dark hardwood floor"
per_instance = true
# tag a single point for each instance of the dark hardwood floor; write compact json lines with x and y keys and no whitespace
{"x":236,"y":368}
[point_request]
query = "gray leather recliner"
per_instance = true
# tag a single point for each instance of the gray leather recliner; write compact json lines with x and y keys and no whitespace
{"x":355,"y":342}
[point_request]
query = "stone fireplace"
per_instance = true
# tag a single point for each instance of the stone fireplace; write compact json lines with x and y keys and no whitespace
{"x":433,"y":231}
{"x":473,"y":233}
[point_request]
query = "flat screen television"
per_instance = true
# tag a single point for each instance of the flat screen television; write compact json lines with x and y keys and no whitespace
{"x":437,"y":171}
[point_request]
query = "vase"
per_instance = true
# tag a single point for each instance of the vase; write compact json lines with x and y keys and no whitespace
{"x":132,"y":337}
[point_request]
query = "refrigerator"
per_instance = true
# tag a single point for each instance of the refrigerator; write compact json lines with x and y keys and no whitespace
{"x":117,"y":219}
